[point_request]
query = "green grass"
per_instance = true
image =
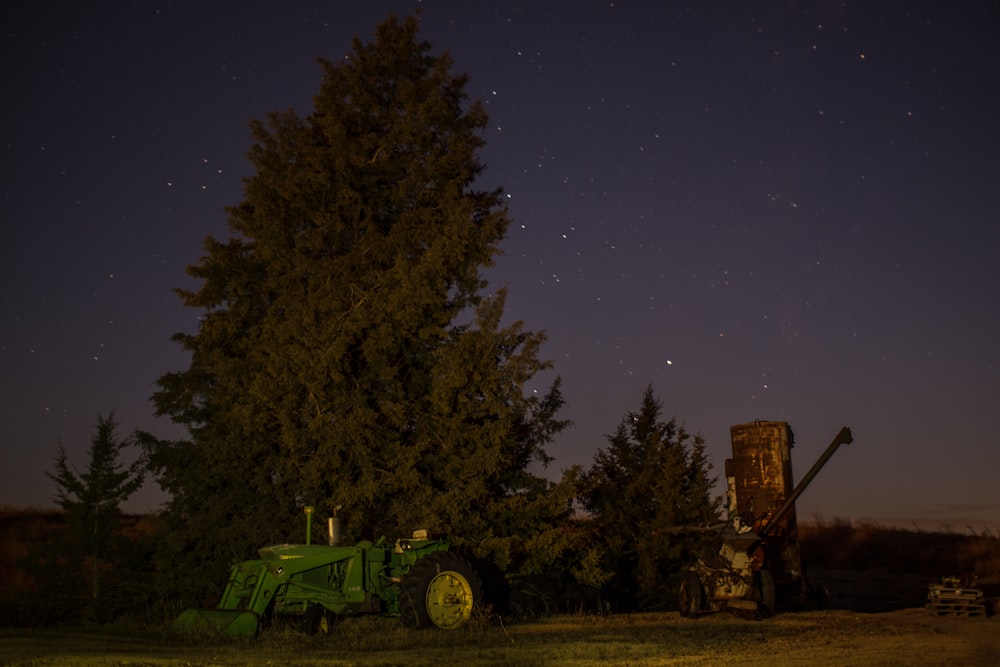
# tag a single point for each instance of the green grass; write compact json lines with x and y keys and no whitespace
{"x":580,"y":641}
{"x":363,"y":641}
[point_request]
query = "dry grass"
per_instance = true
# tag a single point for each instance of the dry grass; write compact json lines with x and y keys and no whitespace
{"x":639,"y":640}
{"x":20,"y":529}
{"x":871,"y":547}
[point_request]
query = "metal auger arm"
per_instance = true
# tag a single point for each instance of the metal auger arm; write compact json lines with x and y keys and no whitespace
{"x":843,"y":438}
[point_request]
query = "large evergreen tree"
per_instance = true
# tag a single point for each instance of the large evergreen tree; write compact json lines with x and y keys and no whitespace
{"x":346,"y":355}
{"x":652,"y":476}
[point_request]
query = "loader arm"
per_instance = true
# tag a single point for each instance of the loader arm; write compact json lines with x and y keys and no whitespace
{"x":251,"y":588}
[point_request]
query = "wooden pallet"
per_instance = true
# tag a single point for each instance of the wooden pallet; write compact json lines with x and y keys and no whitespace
{"x":969,"y":608}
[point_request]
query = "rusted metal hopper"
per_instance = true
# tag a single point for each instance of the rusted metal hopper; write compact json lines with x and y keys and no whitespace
{"x":758,"y":565}
{"x":759,"y":480}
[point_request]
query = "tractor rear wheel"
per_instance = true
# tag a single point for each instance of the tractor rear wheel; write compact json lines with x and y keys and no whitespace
{"x":690,"y":595}
{"x":821,"y":594}
{"x":765,"y":587}
{"x":441,"y":589}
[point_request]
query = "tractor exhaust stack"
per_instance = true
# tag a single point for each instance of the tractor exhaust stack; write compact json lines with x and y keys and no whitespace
{"x":333,"y":528}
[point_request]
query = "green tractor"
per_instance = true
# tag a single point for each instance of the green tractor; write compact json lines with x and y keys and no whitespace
{"x":417,"y":579}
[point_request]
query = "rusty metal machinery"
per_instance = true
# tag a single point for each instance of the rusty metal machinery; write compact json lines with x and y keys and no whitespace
{"x":758,"y":565}
{"x":759,"y":480}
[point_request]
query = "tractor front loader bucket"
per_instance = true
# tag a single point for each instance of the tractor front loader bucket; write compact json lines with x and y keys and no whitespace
{"x":249,"y":592}
{"x":231,"y":622}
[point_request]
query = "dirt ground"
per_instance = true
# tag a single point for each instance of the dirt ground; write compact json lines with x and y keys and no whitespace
{"x":904,"y":637}
{"x":877,"y":618}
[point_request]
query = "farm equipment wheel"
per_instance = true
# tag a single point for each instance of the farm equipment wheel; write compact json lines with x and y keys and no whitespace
{"x":441,"y":589}
{"x":690,"y":595}
{"x":765,"y":586}
{"x":315,"y":620}
{"x":822,"y":597}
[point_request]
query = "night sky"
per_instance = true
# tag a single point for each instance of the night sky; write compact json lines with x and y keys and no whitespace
{"x":776,"y":211}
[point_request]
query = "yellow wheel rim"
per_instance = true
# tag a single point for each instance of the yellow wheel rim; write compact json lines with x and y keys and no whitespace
{"x":449,"y":600}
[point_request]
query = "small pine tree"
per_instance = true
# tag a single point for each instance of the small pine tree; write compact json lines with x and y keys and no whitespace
{"x":653,"y":475}
{"x":92,"y":500}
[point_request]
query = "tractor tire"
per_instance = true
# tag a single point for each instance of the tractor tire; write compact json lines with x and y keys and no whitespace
{"x":316,"y":620}
{"x":441,"y":590}
{"x":765,"y":587}
{"x":691,"y":595}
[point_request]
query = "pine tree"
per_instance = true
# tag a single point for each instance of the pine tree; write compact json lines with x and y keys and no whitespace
{"x":346,"y":355}
{"x":92,"y":500}
{"x":652,"y":476}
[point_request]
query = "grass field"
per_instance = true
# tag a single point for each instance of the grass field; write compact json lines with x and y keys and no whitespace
{"x":906,"y":637}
